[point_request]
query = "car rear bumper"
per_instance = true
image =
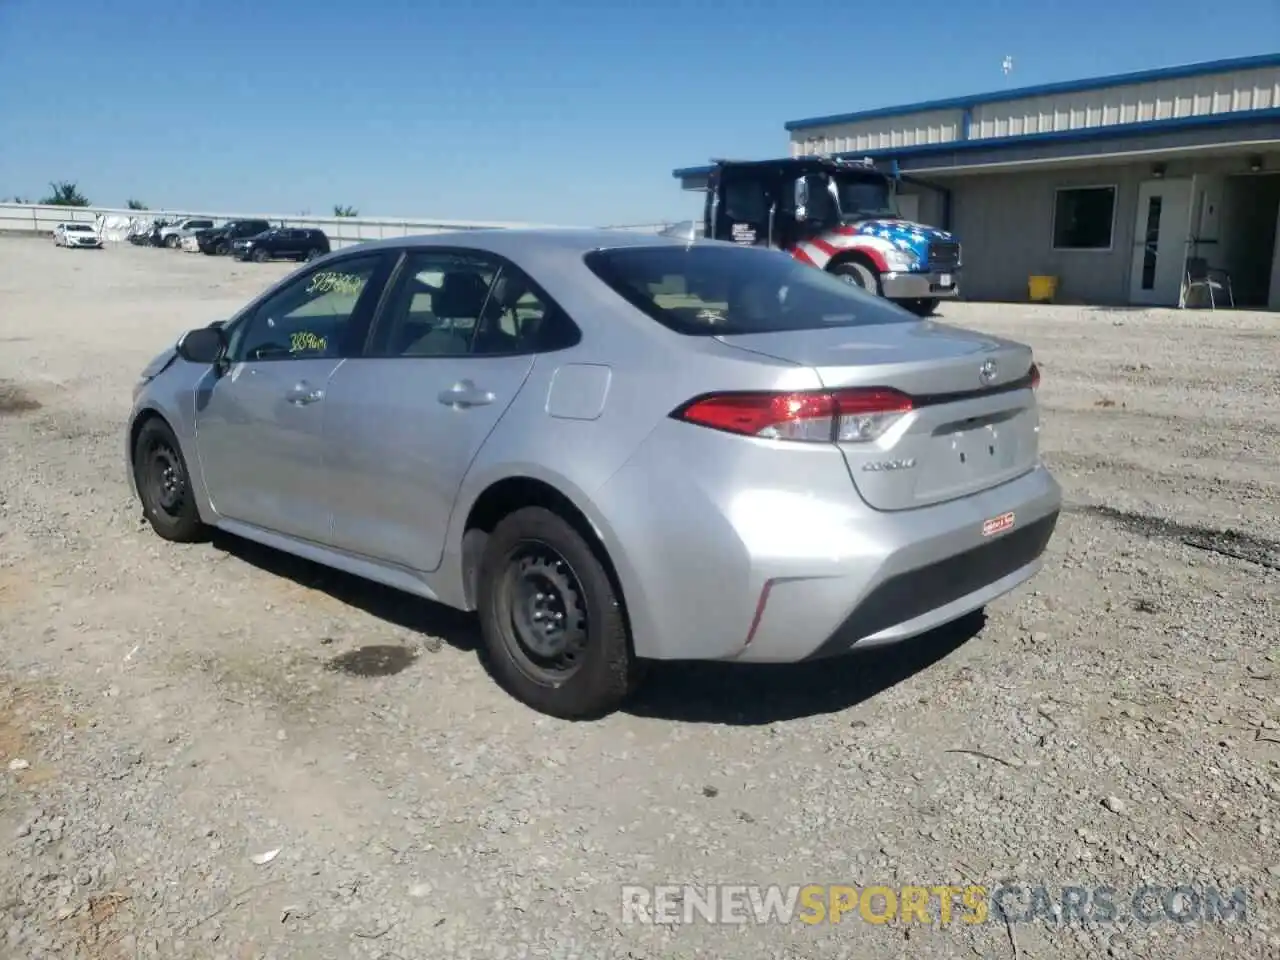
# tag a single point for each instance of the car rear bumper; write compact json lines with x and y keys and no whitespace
{"x":920,"y":286}
{"x":795,"y":569}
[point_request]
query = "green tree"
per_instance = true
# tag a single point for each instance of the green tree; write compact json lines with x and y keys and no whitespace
{"x":135,"y":204}
{"x":65,"y":194}
{"x":341,"y":211}
{"x":15,"y":199}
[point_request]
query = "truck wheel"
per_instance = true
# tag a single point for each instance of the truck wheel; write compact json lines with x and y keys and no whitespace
{"x":259,"y":256}
{"x":553,"y":628}
{"x":172,"y":241}
{"x":858,"y":274}
{"x":921,"y":308}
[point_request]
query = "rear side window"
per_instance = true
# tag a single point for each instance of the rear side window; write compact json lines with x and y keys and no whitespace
{"x":706,"y":290}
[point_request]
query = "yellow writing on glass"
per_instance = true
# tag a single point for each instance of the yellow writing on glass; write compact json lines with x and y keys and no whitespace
{"x":330,"y":282}
{"x":306,"y":340}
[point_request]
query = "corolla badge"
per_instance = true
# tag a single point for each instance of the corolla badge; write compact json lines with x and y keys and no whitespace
{"x":987,"y":372}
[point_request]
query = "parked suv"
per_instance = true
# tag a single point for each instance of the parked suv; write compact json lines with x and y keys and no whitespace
{"x":282,"y":243}
{"x":218,"y":240}
{"x":171,"y":236}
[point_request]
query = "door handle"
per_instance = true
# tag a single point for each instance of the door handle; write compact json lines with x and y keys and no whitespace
{"x":303,"y":393}
{"x":463,"y":394}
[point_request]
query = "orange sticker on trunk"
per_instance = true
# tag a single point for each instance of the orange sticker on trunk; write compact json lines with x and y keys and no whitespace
{"x":997,"y":524}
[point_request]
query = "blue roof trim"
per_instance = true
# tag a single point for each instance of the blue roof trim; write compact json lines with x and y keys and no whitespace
{"x":1111,"y":132}
{"x":1067,"y":86}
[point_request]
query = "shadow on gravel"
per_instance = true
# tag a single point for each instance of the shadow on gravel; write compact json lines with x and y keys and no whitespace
{"x":1226,"y":543}
{"x":692,"y":692}
{"x":751,"y":694}
{"x":454,"y":627}
{"x":15,"y":400}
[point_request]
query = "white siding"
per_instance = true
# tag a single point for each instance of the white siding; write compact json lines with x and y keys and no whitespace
{"x":883,"y":133}
{"x":1134,"y":103}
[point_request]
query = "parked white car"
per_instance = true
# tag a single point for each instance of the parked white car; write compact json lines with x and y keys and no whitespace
{"x":76,"y":235}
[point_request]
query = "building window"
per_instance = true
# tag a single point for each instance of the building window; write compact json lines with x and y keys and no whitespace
{"x":1083,"y":218}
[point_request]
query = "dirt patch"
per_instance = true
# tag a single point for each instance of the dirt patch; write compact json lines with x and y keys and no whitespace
{"x":378,"y":660}
{"x":14,"y":400}
{"x":26,"y":719}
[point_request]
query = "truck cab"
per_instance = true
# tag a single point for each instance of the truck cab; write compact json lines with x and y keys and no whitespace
{"x":838,"y":216}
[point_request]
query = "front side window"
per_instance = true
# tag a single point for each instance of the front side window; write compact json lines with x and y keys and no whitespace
{"x":712,"y":290}
{"x":863,"y":197}
{"x":312,"y":317}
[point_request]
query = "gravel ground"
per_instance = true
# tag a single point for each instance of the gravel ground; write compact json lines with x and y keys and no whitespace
{"x":168,"y":714}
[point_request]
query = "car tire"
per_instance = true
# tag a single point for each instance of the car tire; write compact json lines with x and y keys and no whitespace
{"x":537,"y":569}
{"x":221,"y":250}
{"x":923,"y":307}
{"x":172,"y":241}
{"x":259,"y":256}
{"x":310,"y":255}
{"x":163,"y":483}
{"x":858,"y":274}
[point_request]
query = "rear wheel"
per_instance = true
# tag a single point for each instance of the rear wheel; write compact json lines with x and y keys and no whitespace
{"x":222,"y":249}
{"x":164,"y":484}
{"x":311,"y":255}
{"x":858,"y":274}
{"x":554,"y":629}
{"x":172,"y":241}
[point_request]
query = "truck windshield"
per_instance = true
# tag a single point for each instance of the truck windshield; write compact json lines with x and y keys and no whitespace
{"x":863,"y":198}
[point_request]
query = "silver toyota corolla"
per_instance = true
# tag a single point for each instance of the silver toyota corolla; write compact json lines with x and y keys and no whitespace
{"x":614,"y":447}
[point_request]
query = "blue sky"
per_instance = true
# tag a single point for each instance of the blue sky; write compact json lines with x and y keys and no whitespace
{"x":552,"y":111}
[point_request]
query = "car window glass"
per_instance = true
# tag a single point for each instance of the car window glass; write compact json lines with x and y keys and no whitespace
{"x":715,"y":290}
{"x":519,"y":318}
{"x":309,"y":318}
{"x":436,"y":305}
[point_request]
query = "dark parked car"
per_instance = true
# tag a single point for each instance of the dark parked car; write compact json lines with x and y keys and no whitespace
{"x":282,"y":243}
{"x":217,"y":241}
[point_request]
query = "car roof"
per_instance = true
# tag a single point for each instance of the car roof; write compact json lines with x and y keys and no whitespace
{"x":514,"y":242}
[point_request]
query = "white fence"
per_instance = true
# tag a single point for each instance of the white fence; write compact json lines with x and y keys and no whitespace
{"x":39,"y":220}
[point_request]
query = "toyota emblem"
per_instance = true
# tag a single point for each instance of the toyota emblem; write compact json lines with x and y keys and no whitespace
{"x":987,"y":372}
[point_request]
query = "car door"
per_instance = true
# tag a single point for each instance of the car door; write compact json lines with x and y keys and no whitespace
{"x":259,"y":424}
{"x":449,"y":352}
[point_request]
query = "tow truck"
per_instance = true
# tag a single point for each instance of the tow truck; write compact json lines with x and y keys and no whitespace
{"x":838,"y":215}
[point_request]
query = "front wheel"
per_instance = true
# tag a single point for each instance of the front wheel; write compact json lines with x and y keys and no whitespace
{"x":164,"y":484}
{"x":554,"y":629}
{"x":859,"y":275}
{"x":259,"y":256}
{"x":172,"y":241}
{"x":923,"y":307}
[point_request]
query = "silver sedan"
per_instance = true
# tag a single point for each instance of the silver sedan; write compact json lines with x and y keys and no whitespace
{"x":613,"y":447}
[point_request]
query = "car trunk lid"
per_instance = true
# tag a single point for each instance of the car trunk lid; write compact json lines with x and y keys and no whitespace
{"x":973,"y":425}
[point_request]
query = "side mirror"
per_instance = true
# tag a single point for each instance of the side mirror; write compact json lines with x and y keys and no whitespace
{"x":801,"y":188}
{"x":203,"y":346}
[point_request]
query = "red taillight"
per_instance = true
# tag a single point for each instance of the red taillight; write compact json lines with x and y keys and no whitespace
{"x":1035,"y":376}
{"x":825,"y":416}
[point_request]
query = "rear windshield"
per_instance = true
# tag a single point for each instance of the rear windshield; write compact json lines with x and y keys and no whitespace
{"x":713,"y":290}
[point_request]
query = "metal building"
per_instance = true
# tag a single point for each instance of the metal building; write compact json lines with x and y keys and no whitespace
{"x":1117,"y":186}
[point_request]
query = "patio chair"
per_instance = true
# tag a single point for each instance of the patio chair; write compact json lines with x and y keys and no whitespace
{"x":1202,"y":276}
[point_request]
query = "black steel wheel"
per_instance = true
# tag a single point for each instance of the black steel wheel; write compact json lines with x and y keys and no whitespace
{"x":164,"y":484}
{"x":543,"y":603}
{"x":554,"y":628}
